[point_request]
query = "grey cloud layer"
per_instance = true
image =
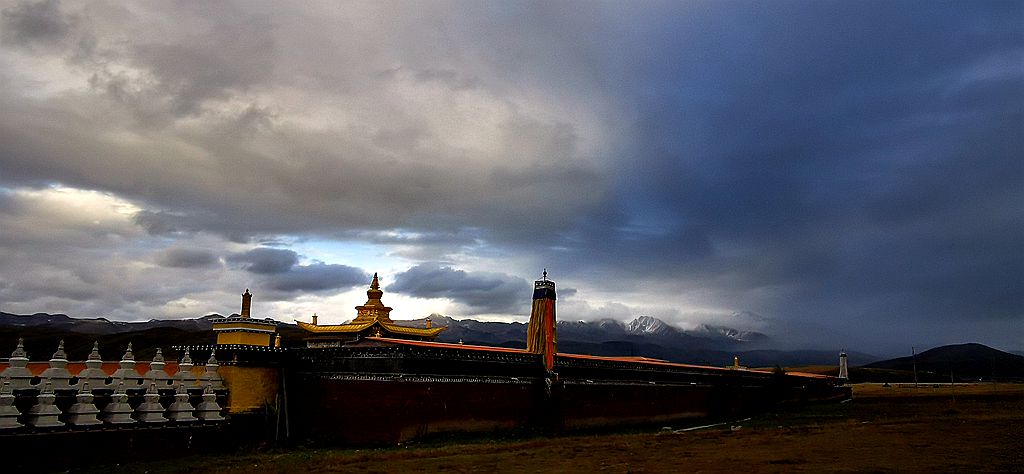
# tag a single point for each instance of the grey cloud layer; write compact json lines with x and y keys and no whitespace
{"x":186,"y":258}
{"x":266,"y":260}
{"x":485,"y":292}
{"x":208,"y":93}
{"x":281,"y":271}
{"x":29,"y":24}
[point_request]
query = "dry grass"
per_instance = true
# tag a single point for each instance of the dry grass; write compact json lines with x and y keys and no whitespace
{"x":881,"y":430}
{"x":899,"y":390}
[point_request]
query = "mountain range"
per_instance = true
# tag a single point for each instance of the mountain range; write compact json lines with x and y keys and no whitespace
{"x":644,"y":336}
{"x":641,"y":329}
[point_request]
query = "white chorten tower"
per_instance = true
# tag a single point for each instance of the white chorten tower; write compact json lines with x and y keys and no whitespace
{"x":844,"y":371}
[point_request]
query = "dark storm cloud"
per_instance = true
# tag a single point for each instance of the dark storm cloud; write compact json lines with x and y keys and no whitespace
{"x":838,"y":147}
{"x":280,"y":270}
{"x":177,"y":257}
{"x":164,"y":223}
{"x":31,"y":23}
{"x":483,"y":291}
{"x":266,"y":260}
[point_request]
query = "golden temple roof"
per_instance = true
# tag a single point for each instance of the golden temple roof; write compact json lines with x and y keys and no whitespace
{"x":373,"y":312}
{"x":353,"y":327}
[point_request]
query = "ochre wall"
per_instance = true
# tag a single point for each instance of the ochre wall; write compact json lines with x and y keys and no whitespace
{"x":250,"y":388}
{"x":247,"y":338}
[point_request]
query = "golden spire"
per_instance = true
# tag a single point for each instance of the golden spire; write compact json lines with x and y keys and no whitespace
{"x":374,"y":293}
{"x":373,"y":309}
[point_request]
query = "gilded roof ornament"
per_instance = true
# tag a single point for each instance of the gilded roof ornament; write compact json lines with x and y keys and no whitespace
{"x":374,"y":293}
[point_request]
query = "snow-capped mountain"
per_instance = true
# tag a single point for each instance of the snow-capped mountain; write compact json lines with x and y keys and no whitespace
{"x":733,"y":334}
{"x":646,"y":325}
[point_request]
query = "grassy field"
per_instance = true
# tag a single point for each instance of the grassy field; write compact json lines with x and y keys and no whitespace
{"x":966,"y":428}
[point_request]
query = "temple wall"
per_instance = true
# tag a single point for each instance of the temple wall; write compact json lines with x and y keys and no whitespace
{"x":364,"y":412}
{"x":250,"y":389}
{"x":593,"y":405}
{"x":388,"y":395}
{"x":248,"y":338}
{"x":349,"y":409}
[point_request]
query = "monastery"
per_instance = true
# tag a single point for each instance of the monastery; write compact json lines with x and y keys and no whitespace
{"x":373,"y":381}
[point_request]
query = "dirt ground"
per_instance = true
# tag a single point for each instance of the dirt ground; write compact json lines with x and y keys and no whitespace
{"x":976,"y":428}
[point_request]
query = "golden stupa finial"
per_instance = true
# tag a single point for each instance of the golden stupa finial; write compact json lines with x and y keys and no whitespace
{"x":374,"y":293}
{"x":374,"y":309}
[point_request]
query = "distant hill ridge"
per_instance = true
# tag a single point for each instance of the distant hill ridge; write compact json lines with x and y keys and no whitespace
{"x":101,"y":325}
{"x":961,"y":361}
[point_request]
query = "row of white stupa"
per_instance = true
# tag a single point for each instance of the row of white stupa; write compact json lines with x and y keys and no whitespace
{"x":42,"y":412}
{"x":21,"y":377}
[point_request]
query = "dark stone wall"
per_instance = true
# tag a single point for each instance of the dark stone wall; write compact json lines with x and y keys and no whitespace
{"x":387,"y":395}
{"x":354,"y":411}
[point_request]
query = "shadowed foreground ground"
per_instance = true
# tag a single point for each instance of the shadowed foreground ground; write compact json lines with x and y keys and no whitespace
{"x":883,"y":429}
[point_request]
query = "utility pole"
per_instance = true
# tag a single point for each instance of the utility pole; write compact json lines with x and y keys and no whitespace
{"x":952,"y":384}
{"x":913,"y":353}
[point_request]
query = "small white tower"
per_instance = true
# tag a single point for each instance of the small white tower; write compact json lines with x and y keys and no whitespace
{"x":844,"y":371}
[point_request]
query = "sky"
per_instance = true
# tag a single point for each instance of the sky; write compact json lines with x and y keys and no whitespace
{"x":834,"y":174}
